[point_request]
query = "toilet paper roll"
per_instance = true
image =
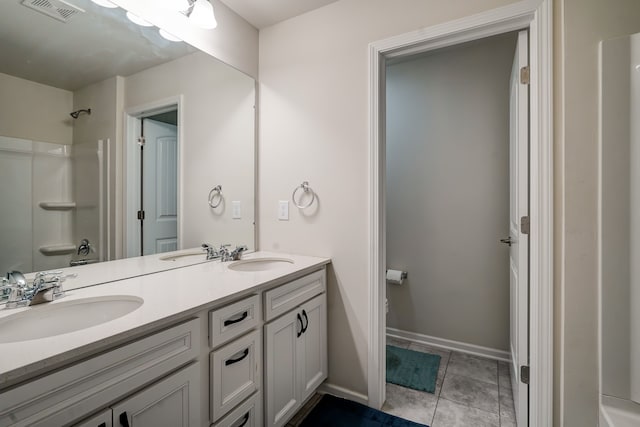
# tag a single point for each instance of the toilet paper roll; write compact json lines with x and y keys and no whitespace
{"x":396,"y":276}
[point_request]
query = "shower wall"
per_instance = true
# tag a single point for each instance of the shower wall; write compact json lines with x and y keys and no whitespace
{"x":448,"y":192}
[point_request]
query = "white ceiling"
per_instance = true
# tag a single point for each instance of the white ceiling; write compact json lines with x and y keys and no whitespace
{"x":264,"y":13}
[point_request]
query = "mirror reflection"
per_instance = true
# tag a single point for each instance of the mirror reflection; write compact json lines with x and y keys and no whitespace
{"x":113,"y":140}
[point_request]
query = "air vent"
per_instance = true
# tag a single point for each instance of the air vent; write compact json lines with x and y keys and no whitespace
{"x":57,"y":9}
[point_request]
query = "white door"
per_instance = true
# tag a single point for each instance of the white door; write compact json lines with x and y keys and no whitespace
{"x":281,"y":361}
{"x":312,"y":353}
{"x":159,"y":187}
{"x":519,"y":246}
{"x":172,"y":402}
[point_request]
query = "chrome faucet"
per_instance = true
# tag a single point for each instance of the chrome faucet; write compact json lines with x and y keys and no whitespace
{"x":234,"y":255}
{"x":212,"y":253}
{"x":46,"y":286}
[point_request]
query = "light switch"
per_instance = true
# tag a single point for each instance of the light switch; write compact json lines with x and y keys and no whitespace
{"x":236,"y":211}
{"x":283,"y":210}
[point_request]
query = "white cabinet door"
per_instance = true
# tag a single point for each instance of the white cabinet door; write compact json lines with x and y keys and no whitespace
{"x":281,"y":354}
{"x":312,"y":346}
{"x":171,"y":402}
{"x":103,"y":419}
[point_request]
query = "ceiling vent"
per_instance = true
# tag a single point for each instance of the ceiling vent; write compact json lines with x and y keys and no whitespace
{"x":57,"y":9}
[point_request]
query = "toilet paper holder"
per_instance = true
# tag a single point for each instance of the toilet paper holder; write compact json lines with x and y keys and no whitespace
{"x":403,"y":274}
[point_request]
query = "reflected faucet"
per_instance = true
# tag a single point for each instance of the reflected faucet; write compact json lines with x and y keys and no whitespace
{"x":212,"y":253}
{"x":85,"y":247}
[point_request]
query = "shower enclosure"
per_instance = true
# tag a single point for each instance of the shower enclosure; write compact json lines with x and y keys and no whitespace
{"x":52,"y":196}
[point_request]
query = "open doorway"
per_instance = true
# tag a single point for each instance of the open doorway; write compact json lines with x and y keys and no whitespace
{"x":535,"y":17}
{"x":452,"y":180}
{"x":153,"y":180}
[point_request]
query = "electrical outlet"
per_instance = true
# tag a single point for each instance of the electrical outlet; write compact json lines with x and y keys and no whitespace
{"x":283,"y":210}
{"x":236,"y":211}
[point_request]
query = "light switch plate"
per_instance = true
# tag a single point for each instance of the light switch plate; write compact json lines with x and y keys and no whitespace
{"x":283,"y":210}
{"x":236,"y":211}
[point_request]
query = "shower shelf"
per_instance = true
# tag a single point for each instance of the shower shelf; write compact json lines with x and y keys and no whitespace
{"x":64,"y":249}
{"x":57,"y":206}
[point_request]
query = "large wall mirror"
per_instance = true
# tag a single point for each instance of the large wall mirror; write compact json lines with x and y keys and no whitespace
{"x":116,"y":142}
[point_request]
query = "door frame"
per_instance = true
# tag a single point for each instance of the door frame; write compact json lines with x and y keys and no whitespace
{"x":131,"y":193}
{"x":536,"y":16}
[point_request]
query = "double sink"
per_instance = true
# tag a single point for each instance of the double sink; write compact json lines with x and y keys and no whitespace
{"x":63,"y":317}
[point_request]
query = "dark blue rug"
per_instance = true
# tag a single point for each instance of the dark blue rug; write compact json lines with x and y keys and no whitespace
{"x":332,"y":411}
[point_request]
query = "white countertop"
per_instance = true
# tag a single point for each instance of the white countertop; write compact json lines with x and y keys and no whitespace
{"x":167,"y":295}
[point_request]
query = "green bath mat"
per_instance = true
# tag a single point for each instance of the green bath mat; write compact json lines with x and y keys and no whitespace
{"x":412,"y":369}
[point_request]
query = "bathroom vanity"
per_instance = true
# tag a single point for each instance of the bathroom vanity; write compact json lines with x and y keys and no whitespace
{"x":221,"y":344}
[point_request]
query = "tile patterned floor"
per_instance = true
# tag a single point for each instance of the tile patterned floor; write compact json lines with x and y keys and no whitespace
{"x":470,"y":391}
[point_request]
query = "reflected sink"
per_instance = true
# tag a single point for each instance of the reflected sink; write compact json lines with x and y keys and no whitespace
{"x":260,"y":264}
{"x":50,"y":319}
{"x":184,"y":256}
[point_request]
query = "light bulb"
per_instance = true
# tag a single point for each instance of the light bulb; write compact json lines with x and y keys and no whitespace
{"x":169,"y":36}
{"x":105,"y":3}
{"x":137,"y":20}
{"x":202,"y":15}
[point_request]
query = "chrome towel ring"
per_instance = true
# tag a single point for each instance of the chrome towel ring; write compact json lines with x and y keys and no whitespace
{"x":306,"y":190}
{"x":216,"y":192}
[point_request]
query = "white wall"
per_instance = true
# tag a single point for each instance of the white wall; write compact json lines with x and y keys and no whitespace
{"x":579,"y":26}
{"x":448,"y":192}
{"x":34,"y":111}
{"x":314,"y":127}
{"x":218,"y":145}
{"x":234,"y":41}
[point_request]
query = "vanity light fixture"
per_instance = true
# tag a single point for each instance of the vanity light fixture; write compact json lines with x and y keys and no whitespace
{"x":169,"y":36}
{"x":178,"y":5}
{"x":105,"y":3}
{"x":202,"y":15}
{"x":137,"y":20}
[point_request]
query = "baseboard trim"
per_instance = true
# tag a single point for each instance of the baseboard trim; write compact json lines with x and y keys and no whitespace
{"x":345,"y":393}
{"x":477,"y":350}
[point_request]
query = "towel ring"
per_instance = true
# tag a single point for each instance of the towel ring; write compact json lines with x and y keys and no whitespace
{"x":215,"y":192}
{"x":306,"y":189}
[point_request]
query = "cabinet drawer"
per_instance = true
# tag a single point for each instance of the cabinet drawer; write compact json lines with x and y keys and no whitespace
{"x":249,"y":414}
{"x":236,"y":373}
{"x":286,"y":297}
{"x":233,"y":320}
{"x":71,"y":393}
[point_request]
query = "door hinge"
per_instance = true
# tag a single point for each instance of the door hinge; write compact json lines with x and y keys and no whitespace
{"x":141,"y":215}
{"x":524,"y":75}
{"x":141,"y":141}
{"x":524,"y":374}
{"x":525,"y":225}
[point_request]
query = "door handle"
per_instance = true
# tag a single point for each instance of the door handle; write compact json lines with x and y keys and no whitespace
{"x":245,"y":353}
{"x":508,"y":241}
{"x":301,"y":325}
{"x":124,"y":419}
{"x":304,"y":328}
{"x":239,"y":319}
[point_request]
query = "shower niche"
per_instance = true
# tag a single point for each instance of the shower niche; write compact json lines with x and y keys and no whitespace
{"x":620,"y":233}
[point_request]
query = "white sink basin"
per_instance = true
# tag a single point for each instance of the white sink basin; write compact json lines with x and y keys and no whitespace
{"x":260,"y":264}
{"x":184,"y":255}
{"x":50,"y":319}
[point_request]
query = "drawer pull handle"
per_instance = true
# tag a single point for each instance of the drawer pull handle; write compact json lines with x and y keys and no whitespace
{"x":301,"y":327}
{"x":102,"y":425}
{"x":244,"y":420}
{"x":124,"y":419}
{"x":306,"y":326}
{"x":239,"y":319}
{"x":245,"y":353}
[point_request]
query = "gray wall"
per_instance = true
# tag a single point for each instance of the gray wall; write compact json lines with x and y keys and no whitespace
{"x":448,"y":192}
